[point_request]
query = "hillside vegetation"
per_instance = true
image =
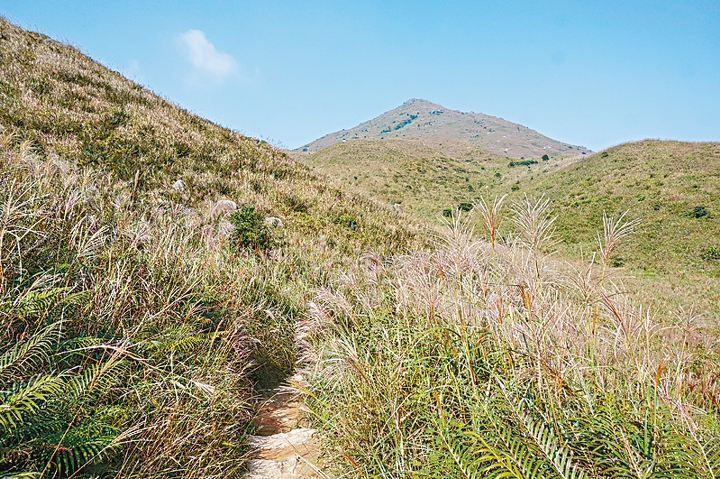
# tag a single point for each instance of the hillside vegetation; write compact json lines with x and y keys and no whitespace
{"x":426,"y":176}
{"x":138,"y":319}
{"x":484,"y":361}
{"x":672,"y":187}
{"x":418,"y":117}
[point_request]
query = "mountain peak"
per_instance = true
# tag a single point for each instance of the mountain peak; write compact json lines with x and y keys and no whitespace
{"x":413,"y":101}
{"x":422,"y":118}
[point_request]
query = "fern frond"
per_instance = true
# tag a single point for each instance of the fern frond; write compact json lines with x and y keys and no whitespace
{"x":559,"y":456}
{"x":706,"y":458}
{"x":28,"y":397}
{"x":29,"y":354}
{"x":87,"y":443}
{"x":39,"y":301}
{"x":97,"y":375}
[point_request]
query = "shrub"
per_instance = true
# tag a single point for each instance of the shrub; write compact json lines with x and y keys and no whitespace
{"x":699,"y":212}
{"x":515,"y":187}
{"x":617,"y":262}
{"x":447,"y":212}
{"x":465,"y":206}
{"x":545,"y":158}
{"x":711,"y":254}
{"x":346,"y":220}
{"x":522,"y":163}
{"x":251,"y":232}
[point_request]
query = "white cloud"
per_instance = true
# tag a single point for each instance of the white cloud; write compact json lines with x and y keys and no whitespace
{"x":204,"y":57}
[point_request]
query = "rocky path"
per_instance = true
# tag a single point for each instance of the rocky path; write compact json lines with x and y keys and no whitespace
{"x":283,"y":449}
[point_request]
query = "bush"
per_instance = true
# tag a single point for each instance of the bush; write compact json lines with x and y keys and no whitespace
{"x":545,"y":158}
{"x":522,"y":163}
{"x":346,"y":220}
{"x":251,"y":232}
{"x":711,"y":254}
{"x":617,"y":262}
{"x":699,"y":212}
{"x":515,"y":187}
{"x":447,"y":212}
{"x":465,"y":206}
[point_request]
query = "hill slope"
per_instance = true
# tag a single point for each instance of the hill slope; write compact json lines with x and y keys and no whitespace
{"x":673,"y":189}
{"x":658,"y":182}
{"x":425,"y":176}
{"x":138,"y":314}
{"x":661,"y":183}
{"x":418,"y":117}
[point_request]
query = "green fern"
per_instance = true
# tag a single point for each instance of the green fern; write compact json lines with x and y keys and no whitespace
{"x":29,"y":355}
{"x":558,"y":456}
{"x":26,"y":398}
{"x":47,"y":417}
{"x":89,"y":442}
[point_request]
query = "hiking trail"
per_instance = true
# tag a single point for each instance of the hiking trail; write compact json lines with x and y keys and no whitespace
{"x":282,"y":448}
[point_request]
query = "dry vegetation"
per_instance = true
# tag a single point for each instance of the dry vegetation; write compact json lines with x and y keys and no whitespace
{"x":472,"y":361}
{"x":136,"y":322}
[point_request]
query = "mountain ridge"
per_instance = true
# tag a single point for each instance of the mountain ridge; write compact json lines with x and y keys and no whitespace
{"x":418,"y":117}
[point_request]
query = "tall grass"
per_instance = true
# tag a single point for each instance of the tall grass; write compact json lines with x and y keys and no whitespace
{"x":123,"y":346}
{"x":474,"y":361}
{"x":135,"y":330}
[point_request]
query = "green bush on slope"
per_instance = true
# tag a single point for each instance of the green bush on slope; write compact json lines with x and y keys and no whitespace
{"x":250,"y":232}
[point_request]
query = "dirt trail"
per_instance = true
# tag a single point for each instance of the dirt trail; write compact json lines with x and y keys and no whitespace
{"x":283,"y":448}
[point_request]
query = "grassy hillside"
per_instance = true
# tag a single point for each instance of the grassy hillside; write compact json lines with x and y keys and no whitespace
{"x":479,"y":361}
{"x":660,"y":183}
{"x":418,"y":117}
{"x":426,"y":176}
{"x":672,"y":187}
{"x":137,"y":320}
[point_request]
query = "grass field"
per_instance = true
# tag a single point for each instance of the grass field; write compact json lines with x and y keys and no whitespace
{"x":426,"y":176}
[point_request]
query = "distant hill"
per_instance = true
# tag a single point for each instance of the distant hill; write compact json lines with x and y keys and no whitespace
{"x":418,"y":117}
{"x":426,"y":176}
{"x":672,"y":187}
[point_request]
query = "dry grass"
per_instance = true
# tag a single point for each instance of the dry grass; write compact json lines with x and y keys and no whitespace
{"x":163,"y":328}
{"x":474,"y":361}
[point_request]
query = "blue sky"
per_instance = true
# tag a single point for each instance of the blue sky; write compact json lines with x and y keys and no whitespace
{"x":594,"y":73}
